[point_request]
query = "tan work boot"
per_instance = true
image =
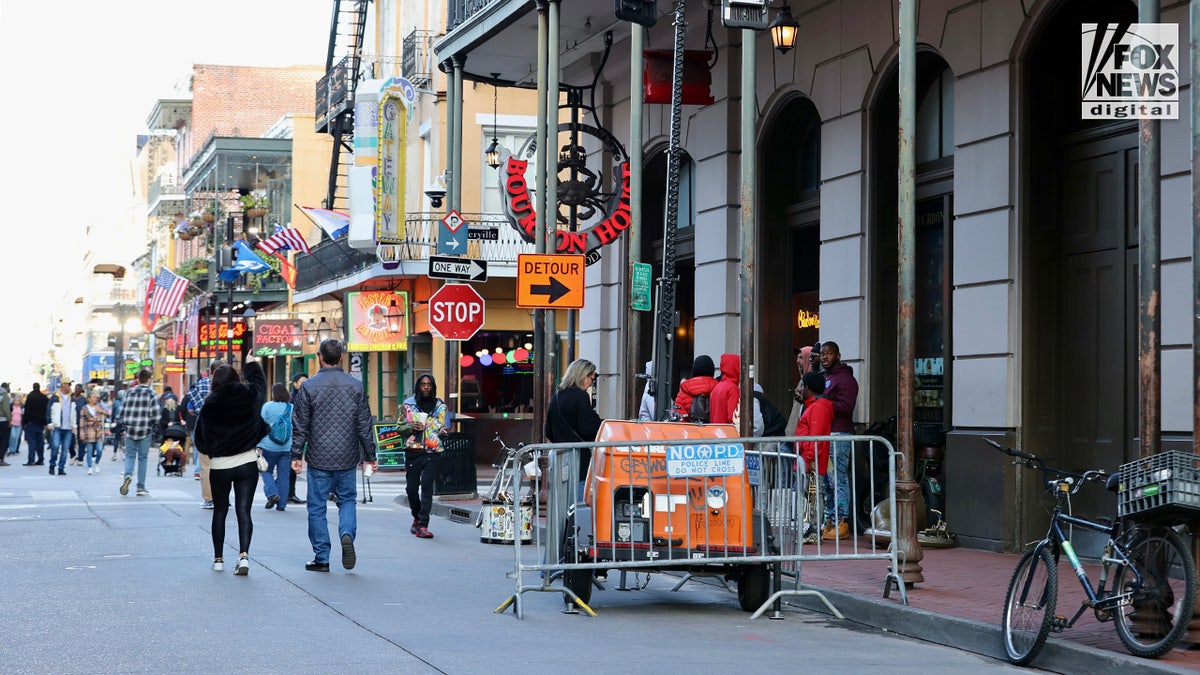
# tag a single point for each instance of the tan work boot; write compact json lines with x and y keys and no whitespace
{"x":842,"y":531}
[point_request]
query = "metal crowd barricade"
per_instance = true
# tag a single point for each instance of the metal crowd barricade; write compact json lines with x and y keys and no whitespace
{"x":657,"y":504}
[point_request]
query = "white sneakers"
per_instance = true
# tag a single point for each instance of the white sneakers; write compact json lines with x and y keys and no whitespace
{"x":219,"y":565}
{"x":243,"y":567}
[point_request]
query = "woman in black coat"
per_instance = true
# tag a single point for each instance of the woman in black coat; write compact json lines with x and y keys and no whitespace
{"x":228,"y":430}
{"x":570,"y":417}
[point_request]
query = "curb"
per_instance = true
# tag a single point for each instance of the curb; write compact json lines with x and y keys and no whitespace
{"x":1058,"y":655}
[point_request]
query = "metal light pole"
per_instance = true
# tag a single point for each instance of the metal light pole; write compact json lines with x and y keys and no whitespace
{"x":229,"y":297}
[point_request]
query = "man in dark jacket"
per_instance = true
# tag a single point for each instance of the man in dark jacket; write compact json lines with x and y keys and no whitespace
{"x":34,"y":422}
{"x":841,"y":389}
{"x":331,"y":429}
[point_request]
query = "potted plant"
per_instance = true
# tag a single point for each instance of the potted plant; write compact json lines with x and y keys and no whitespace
{"x":193,"y":269}
{"x":255,"y":204}
{"x":210,"y":215}
{"x":197,"y":219}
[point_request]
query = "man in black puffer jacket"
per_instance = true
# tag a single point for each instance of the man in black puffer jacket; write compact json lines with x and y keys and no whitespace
{"x":331,"y":429}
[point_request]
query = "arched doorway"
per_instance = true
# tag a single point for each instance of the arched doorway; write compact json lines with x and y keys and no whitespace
{"x":934,"y":204}
{"x":789,"y":249}
{"x":1079,"y":262}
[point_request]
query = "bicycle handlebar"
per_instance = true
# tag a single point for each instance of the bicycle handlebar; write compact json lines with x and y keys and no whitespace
{"x":1067,"y":477}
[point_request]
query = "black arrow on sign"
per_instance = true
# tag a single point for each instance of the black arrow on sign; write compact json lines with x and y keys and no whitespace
{"x":555,"y":289}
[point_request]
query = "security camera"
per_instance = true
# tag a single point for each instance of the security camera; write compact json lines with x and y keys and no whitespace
{"x":436,"y":193}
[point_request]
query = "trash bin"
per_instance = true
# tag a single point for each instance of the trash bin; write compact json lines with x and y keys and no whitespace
{"x":456,"y":473}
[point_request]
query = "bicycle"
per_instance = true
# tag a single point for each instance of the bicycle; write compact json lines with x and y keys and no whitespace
{"x":1153,"y":575}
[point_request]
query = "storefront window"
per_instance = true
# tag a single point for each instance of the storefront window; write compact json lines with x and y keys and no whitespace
{"x":496,"y":373}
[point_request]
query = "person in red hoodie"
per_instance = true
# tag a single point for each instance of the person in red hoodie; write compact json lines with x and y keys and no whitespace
{"x":724,"y":398}
{"x":701,"y":383}
{"x":815,"y":421}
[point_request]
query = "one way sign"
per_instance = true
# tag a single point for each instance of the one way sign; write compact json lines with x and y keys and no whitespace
{"x":462,"y":269}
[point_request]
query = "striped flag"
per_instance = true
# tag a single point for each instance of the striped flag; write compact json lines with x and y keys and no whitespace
{"x":286,"y":270}
{"x":284,"y":238}
{"x":168,"y":292}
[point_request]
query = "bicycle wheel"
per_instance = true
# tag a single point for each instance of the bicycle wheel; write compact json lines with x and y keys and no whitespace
{"x":1160,"y":607}
{"x":1029,"y":606}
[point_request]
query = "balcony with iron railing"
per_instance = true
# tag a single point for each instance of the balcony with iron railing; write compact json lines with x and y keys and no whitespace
{"x":417,"y":57}
{"x":335,"y":92}
{"x":164,"y":196}
{"x":461,"y":10}
{"x":490,"y":237}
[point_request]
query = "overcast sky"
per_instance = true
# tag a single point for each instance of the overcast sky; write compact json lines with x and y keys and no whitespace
{"x":79,"y":78}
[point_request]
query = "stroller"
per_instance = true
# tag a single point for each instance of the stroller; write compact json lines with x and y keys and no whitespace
{"x":173,"y":459}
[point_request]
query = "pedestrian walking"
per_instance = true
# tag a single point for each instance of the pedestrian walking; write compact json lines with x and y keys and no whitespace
{"x":193,"y":402}
{"x":331,"y":430}
{"x":15,"y":421}
{"x":78,"y":400}
{"x":34,"y":424}
{"x":61,"y":423}
{"x":294,"y":498}
{"x":5,"y":417}
{"x":228,"y":429}
{"x":91,"y":432}
{"x":277,"y":453}
{"x":139,"y":413}
{"x":427,"y":415}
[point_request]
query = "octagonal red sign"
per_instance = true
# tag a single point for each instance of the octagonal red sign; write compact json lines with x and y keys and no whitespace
{"x":456,"y":312}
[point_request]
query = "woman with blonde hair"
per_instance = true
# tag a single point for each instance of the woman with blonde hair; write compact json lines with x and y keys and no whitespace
{"x":570,"y":417}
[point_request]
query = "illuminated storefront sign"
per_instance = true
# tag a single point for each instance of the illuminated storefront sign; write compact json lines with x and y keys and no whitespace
{"x":377,"y":321}
{"x":277,"y":338}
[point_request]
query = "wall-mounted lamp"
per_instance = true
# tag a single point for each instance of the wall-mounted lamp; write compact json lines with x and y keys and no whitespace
{"x":393,"y":318}
{"x":310,"y":332}
{"x":324,"y":330}
{"x":784,"y":29}
{"x":493,"y":152}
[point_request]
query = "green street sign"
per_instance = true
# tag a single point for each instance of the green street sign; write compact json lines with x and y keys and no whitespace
{"x":641,"y":287}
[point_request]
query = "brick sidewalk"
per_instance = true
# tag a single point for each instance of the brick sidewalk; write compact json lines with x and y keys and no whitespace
{"x":970,"y":584}
{"x":961,"y":583}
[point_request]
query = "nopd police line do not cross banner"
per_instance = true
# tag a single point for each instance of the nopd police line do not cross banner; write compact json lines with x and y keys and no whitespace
{"x":1130,"y":71}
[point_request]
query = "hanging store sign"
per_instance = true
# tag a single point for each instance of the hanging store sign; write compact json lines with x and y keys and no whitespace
{"x":274,"y":337}
{"x":377,"y":321}
{"x":389,"y":179}
{"x":518,"y":206}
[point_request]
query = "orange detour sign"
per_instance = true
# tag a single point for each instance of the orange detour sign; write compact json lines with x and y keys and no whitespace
{"x":550,"y":281}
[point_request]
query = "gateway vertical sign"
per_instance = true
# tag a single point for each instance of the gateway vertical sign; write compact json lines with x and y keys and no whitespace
{"x":1130,"y":71}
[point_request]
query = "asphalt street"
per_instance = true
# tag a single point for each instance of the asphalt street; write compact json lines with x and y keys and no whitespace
{"x":93,"y":582}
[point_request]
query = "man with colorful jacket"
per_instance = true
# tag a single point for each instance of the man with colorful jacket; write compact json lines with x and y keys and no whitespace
{"x":427,"y":415}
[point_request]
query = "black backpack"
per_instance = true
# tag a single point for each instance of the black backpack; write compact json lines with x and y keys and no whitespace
{"x":698,"y":413}
{"x":774,"y":421}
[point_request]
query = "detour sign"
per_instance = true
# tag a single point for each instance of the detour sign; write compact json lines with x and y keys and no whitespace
{"x":550,"y":281}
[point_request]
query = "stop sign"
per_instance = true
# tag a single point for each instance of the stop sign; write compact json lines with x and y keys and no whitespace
{"x":456,"y":312}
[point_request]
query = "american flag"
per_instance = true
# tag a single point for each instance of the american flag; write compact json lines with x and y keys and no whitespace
{"x":284,"y":238}
{"x":168,"y":292}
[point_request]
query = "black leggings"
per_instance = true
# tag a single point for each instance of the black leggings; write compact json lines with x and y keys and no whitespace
{"x":244,"y":479}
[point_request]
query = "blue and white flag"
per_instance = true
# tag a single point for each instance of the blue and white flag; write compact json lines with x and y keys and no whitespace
{"x":245,"y":262}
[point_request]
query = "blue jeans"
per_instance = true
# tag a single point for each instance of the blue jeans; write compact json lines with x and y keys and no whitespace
{"x":275,"y":479}
{"x":837,"y":481}
{"x":60,"y":444}
{"x":141,"y":448}
{"x":92,"y":450}
{"x":35,"y":439}
{"x":320,"y":484}
{"x":14,"y":440}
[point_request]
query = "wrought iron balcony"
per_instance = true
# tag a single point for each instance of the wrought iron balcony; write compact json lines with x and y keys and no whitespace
{"x":417,"y":57}
{"x":461,"y":10}
{"x":490,"y":238}
{"x":164,"y":197}
{"x":335,"y":92}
